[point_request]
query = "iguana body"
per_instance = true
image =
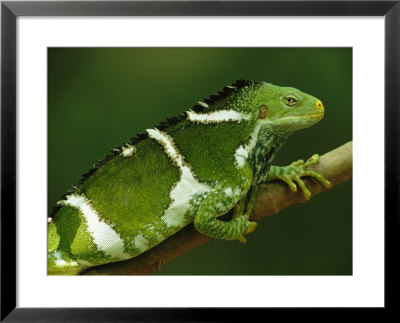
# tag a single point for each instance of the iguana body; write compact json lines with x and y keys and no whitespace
{"x":194,"y":168}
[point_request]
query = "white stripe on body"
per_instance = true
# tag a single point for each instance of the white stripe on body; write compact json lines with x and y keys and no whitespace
{"x":187,"y":186}
{"x":243,"y":151}
{"x":104,"y":236}
{"x":217,"y":116}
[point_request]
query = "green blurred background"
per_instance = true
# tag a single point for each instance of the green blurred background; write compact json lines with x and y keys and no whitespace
{"x":100,"y":97}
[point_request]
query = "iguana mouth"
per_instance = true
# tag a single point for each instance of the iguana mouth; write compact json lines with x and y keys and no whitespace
{"x":314,"y":115}
{"x":319,"y":114}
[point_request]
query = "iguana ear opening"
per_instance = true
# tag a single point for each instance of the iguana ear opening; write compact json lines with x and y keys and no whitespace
{"x":263,"y":112}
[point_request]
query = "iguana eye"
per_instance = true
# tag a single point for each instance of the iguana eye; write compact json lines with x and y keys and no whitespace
{"x":289,"y":100}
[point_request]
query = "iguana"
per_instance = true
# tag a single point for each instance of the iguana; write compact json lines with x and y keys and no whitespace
{"x":192,"y":168}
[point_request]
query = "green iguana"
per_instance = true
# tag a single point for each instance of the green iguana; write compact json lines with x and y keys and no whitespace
{"x":193,"y":168}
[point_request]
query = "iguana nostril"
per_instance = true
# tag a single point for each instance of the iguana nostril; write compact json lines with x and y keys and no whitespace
{"x":319,"y":105}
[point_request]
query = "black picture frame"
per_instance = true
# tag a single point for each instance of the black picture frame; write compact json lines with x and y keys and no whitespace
{"x":10,"y":10}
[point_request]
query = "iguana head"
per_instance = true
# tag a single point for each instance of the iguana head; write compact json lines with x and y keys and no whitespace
{"x":261,"y":104}
{"x":286,"y":108}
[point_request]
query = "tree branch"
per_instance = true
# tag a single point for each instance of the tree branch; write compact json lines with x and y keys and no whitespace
{"x":336,"y":166}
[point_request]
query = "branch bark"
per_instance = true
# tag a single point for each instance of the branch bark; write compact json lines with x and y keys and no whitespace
{"x":336,"y":166}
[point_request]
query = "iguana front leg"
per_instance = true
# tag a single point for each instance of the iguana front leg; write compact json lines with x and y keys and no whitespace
{"x":293,"y":173}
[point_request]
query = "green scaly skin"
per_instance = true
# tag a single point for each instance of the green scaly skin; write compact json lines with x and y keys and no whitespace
{"x":193,"y":169}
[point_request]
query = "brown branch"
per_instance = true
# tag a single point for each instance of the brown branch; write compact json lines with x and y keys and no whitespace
{"x":335,"y":165}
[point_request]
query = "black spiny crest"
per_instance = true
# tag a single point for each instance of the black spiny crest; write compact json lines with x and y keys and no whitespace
{"x":226,"y":91}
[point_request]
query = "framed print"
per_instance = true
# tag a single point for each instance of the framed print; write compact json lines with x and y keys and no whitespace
{"x":133,"y":72}
{"x":234,"y":80}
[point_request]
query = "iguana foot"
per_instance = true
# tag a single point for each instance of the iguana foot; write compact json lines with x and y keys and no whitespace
{"x":293,"y":173}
